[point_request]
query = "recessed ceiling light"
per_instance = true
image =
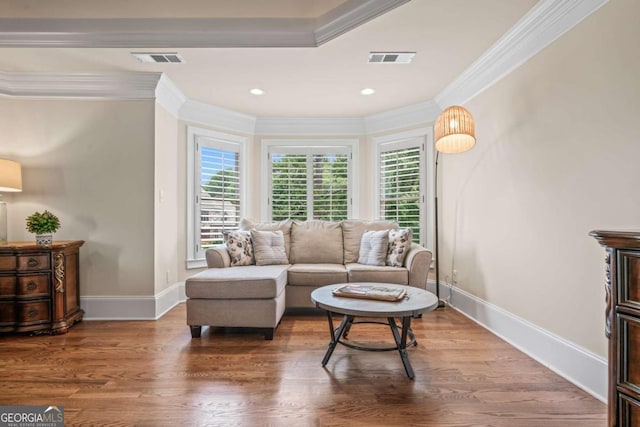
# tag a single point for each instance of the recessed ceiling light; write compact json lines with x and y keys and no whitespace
{"x":368,"y":91}
{"x":256,"y":91}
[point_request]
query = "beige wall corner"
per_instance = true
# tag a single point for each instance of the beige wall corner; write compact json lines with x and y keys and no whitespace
{"x":557,"y":156}
{"x":91,"y":163}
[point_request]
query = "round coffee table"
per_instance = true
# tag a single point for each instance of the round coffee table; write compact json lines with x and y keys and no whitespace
{"x":416,"y":301}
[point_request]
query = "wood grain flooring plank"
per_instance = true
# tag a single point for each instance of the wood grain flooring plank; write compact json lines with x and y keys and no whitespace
{"x":151,"y":373}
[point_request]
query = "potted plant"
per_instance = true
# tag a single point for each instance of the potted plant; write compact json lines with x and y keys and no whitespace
{"x":43,"y":225}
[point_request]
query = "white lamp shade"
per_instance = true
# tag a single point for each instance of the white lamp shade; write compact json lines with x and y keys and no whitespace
{"x":10,"y":176}
{"x":454,"y":130}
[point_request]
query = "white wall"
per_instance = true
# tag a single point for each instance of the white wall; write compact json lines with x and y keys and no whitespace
{"x":91,"y":163}
{"x":556,"y":156}
{"x":166,"y":199}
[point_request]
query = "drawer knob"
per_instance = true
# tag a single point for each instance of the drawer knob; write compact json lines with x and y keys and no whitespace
{"x":32,"y":262}
{"x":32,"y":313}
{"x":31,"y":286}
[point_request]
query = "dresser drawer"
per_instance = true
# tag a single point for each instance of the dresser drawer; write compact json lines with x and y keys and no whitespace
{"x":34,"y":262}
{"x":629,"y":352}
{"x":7,"y":314}
{"x":629,"y":280}
{"x":33,"y":286}
{"x":33,"y":312}
{"x":7,"y":287}
{"x":7,"y":263}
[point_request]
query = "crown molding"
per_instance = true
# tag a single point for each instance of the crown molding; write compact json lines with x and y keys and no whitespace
{"x":543,"y":24}
{"x":309,"y":126}
{"x":350,"y":15}
{"x":424,"y":112}
{"x":547,"y":21}
{"x":156,"y":33}
{"x":191,"y":32}
{"x":79,"y":85}
{"x":211,"y":115}
{"x":169,"y":96}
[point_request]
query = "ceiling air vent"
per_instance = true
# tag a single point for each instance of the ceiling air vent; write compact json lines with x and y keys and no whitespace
{"x":391,"y":57}
{"x":159,"y":57}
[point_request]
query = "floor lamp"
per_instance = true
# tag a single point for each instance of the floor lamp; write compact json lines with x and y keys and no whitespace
{"x":454,"y":133}
{"x":10,"y":180}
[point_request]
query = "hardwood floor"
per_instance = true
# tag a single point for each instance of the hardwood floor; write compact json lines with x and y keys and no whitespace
{"x":151,"y":373}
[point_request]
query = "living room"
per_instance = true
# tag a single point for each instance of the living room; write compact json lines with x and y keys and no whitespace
{"x":555,"y":158}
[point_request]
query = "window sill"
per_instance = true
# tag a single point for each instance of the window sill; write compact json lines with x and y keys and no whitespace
{"x":196,"y":263}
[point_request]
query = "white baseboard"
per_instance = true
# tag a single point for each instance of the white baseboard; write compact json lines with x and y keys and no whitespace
{"x":577,"y":365}
{"x":132,"y":307}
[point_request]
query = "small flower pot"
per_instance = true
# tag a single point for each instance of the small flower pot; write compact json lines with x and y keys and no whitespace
{"x":44,"y":239}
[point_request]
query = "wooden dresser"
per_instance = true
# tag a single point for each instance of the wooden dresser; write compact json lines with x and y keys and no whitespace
{"x":39,"y":287}
{"x":622,"y":286}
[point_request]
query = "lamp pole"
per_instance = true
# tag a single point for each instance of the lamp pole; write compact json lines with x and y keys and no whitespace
{"x":440,"y":302}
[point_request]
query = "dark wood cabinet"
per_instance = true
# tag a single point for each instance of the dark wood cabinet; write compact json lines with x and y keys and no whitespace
{"x":39,"y":287}
{"x":622,"y":287}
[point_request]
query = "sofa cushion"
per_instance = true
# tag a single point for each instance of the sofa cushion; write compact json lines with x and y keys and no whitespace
{"x":248,"y":282}
{"x":316,"y":274}
{"x":239,"y":247}
{"x":374,"y":247}
{"x":399,"y":244}
{"x":383,"y":274}
{"x":353,"y":229}
{"x":284,"y":226}
{"x":316,"y":241}
{"x":268,"y":247}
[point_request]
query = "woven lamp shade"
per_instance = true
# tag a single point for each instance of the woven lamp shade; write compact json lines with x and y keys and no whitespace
{"x":10,"y":176}
{"x":454,"y":130}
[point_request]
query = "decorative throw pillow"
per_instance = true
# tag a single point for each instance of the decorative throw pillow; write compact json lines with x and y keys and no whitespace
{"x":284,"y":226}
{"x":399,"y":244}
{"x":352,"y":231}
{"x":239,"y":247}
{"x":373,"y":247}
{"x":268,"y":247}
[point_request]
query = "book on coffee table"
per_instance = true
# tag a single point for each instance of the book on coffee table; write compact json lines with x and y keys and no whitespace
{"x":377,"y":292}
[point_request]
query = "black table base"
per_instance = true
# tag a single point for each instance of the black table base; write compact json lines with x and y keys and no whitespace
{"x":399,"y":336}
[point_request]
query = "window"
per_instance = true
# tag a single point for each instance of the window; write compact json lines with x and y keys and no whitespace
{"x":309,"y":182}
{"x":215,"y":190}
{"x":402,"y":192}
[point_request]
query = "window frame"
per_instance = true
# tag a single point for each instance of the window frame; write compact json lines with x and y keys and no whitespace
{"x":307,"y":146}
{"x":423,"y":138}
{"x":214,"y":139}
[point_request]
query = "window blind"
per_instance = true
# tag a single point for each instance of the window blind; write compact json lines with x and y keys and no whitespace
{"x":310,"y":183}
{"x":219,"y":198}
{"x":288,"y":186}
{"x":330,"y":187}
{"x":400,"y":187}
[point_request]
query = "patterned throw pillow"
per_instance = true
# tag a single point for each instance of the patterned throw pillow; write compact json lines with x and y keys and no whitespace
{"x":373,"y":247}
{"x":399,"y":244}
{"x":240,"y":248}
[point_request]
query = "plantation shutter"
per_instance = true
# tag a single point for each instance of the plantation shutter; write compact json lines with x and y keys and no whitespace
{"x":289,"y":186}
{"x":219,"y":198}
{"x":330,"y":187}
{"x":400,"y":187}
{"x":309,"y":183}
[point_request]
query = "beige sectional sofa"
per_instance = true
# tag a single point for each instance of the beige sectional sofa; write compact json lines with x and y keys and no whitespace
{"x":316,"y":253}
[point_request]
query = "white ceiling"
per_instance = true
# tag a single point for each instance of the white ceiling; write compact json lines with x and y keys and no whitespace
{"x":447,"y":35}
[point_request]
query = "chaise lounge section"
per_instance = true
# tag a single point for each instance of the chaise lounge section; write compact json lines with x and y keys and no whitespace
{"x":298,"y":257}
